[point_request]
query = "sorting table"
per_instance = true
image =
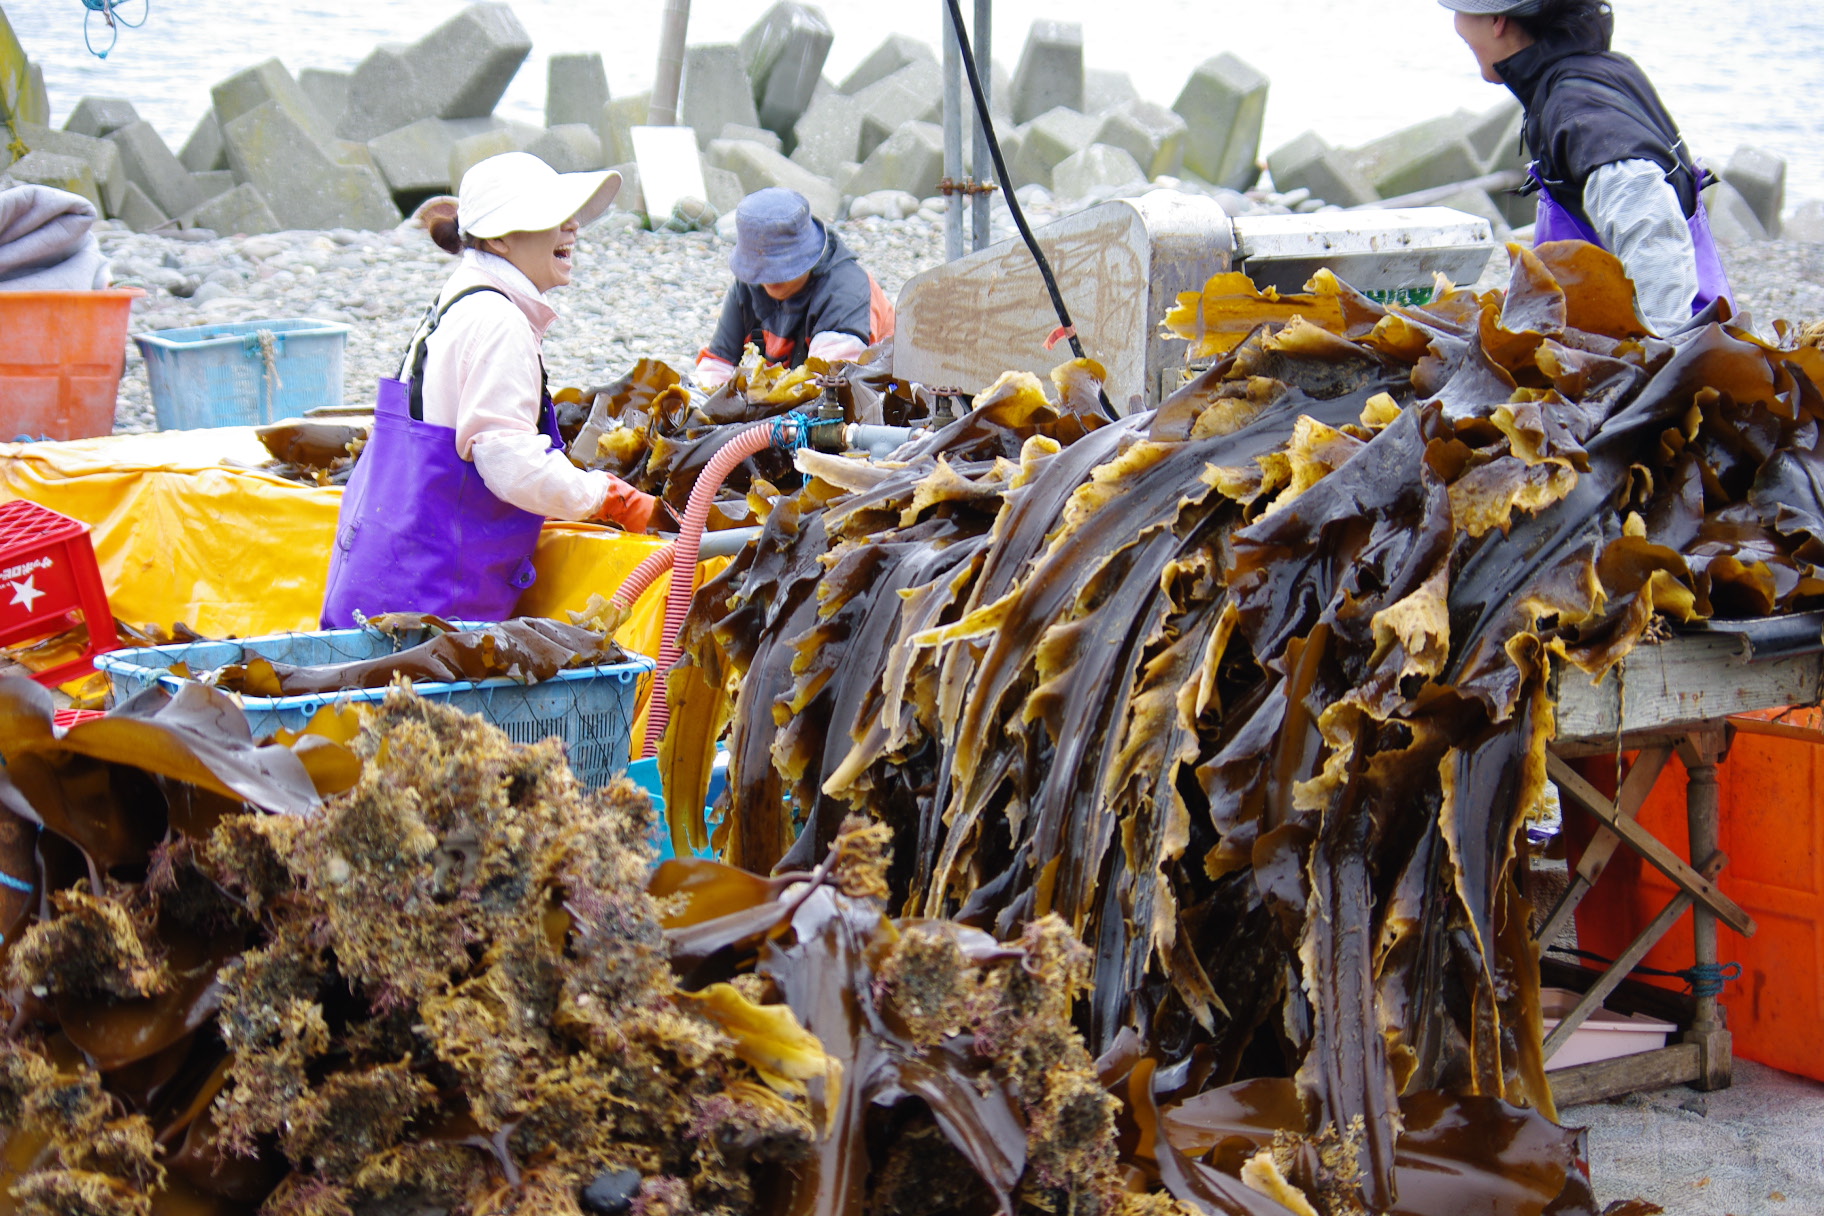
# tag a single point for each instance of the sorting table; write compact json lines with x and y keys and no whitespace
{"x":1679,"y":695}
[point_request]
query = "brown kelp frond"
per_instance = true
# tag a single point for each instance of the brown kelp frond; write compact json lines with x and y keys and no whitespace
{"x":1251,"y":696}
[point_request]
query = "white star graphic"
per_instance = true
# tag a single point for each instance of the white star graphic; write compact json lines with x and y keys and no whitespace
{"x":25,"y":591}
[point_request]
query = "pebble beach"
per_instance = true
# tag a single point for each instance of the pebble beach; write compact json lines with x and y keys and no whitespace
{"x":636,"y":293}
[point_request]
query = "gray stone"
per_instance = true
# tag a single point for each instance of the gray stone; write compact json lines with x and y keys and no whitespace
{"x":13,"y":75}
{"x":71,"y":173}
{"x":264,"y":82}
{"x":1760,"y":177}
{"x":759,"y":167}
{"x":1050,"y":73}
{"x":1732,"y":217}
{"x":302,"y":182}
{"x":1223,"y":104}
{"x":458,"y":70}
{"x":571,"y":147}
{"x":328,"y":92}
{"x":99,"y":116}
{"x":147,"y":162}
{"x":617,"y":118}
{"x":416,"y":158}
{"x":912,"y":160}
{"x":214,"y":183}
{"x":886,"y":204}
{"x":1308,"y":163}
{"x":471,"y":150}
{"x":576,"y":88}
{"x":1049,"y":139}
{"x":1095,"y":170}
{"x":844,"y":176}
{"x":242,"y":211}
{"x":1104,"y":90}
{"x":1496,"y":136}
{"x":829,"y":134}
{"x":139,"y":212}
{"x":724,"y":186}
{"x":1151,"y":134}
{"x":1420,"y":157}
{"x":204,"y":150}
{"x":715,"y":91}
{"x":102,"y":155}
{"x":884,"y":60}
{"x":35,"y":104}
{"x":755,"y":135}
{"x":915,"y":93}
{"x":629,"y":197}
{"x":784,"y":53}
{"x":1806,"y":223}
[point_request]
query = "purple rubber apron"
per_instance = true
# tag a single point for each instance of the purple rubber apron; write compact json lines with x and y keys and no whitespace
{"x":1555,"y":223}
{"x":419,"y":531}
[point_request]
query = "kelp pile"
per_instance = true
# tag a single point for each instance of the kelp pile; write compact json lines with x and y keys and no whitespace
{"x":525,"y":649}
{"x":404,"y":965}
{"x":1251,"y":692}
{"x":647,"y":429}
{"x":315,"y":452}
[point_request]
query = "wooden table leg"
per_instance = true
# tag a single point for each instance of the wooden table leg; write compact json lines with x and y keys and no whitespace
{"x":1701,"y":753}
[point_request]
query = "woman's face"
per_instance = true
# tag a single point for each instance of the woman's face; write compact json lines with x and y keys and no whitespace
{"x":544,"y":257}
{"x":1490,"y":40}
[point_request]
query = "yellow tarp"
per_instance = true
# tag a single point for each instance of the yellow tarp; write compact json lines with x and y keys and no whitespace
{"x":186,"y":529}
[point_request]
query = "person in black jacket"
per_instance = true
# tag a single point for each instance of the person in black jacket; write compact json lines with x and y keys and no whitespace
{"x":1609,"y":164}
{"x":798,"y":292}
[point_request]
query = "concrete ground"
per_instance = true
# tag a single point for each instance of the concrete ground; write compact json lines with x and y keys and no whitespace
{"x":1755,"y":1149}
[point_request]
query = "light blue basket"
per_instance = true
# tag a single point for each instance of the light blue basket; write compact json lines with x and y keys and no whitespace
{"x":244,"y":374}
{"x":645,"y":774}
{"x":590,"y":708}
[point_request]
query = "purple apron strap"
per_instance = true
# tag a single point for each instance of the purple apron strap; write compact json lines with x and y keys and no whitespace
{"x":1554,"y":223}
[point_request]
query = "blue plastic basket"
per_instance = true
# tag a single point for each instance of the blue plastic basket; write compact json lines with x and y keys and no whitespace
{"x":590,"y":708}
{"x":645,"y":773}
{"x":220,"y":375}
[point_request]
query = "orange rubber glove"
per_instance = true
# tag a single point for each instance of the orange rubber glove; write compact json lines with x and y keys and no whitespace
{"x":626,"y":506}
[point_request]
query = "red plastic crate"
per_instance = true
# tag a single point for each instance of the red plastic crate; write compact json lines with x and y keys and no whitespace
{"x":63,"y":719}
{"x":49,"y":583}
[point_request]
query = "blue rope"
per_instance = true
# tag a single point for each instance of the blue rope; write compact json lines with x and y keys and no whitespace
{"x":797,"y":442}
{"x":7,"y":880}
{"x":1707,"y":979}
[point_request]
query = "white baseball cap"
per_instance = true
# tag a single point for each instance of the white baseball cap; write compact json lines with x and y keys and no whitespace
{"x":517,"y":192}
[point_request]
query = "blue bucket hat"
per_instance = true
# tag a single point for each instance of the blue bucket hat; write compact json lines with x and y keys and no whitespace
{"x":776,"y":240}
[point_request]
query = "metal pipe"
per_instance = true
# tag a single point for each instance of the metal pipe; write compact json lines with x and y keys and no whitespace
{"x":663,"y":111}
{"x":954,"y":202}
{"x":980,"y":170}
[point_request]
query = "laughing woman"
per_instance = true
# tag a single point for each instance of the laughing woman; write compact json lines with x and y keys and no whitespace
{"x":465,"y":463}
{"x":1608,"y":161}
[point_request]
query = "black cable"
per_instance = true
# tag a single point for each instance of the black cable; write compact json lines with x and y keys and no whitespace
{"x":1013,"y":204}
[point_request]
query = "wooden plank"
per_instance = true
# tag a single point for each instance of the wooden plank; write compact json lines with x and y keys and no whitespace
{"x":1634,"y":790}
{"x":1777,"y":730}
{"x":1650,"y":847}
{"x":1686,"y":680}
{"x":1669,"y":1066}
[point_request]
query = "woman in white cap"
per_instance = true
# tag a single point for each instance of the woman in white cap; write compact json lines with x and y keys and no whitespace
{"x":1609,"y":164}
{"x":465,"y":462}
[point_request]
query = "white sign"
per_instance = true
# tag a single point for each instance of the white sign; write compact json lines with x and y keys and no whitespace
{"x":671,"y":168}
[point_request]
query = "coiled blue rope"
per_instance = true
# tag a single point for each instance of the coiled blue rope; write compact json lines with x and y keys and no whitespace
{"x":17,"y":884}
{"x":1707,"y":979}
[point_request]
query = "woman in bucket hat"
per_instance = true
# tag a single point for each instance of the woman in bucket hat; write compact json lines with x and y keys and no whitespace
{"x":1609,"y":164}
{"x":465,"y":462}
{"x":798,"y":291}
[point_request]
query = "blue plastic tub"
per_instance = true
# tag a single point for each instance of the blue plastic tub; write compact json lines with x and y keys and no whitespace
{"x":590,"y":708}
{"x":245,"y":374}
{"x":645,"y":773}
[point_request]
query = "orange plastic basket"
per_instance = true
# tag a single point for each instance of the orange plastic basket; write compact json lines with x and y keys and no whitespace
{"x":61,"y":355}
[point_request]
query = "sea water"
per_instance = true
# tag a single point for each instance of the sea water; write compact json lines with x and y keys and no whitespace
{"x":1732,"y":71}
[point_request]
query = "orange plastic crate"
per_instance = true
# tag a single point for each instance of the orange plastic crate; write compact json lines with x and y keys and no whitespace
{"x":61,"y":355}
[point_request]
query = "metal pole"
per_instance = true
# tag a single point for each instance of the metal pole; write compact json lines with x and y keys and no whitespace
{"x":663,"y":112}
{"x":954,"y":201}
{"x":981,"y":170}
